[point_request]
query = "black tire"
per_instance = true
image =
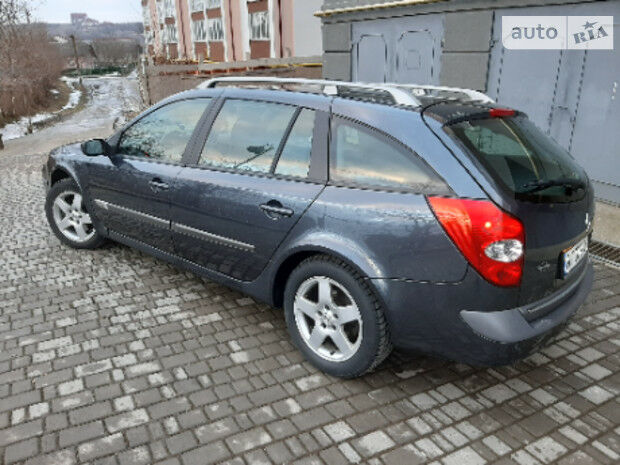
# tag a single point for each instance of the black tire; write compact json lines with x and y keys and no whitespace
{"x":375,"y":344}
{"x":64,"y":187}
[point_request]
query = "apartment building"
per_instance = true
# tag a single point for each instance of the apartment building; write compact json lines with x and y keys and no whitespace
{"x":231,"y":30}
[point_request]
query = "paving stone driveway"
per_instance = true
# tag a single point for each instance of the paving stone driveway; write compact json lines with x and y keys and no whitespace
{"x":114,"y":357}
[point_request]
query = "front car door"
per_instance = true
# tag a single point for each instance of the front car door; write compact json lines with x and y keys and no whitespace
{"x":259,"y":170}
{"x":131,"y":187}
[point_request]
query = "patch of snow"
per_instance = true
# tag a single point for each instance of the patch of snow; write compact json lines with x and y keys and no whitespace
{"x":76,"y":93}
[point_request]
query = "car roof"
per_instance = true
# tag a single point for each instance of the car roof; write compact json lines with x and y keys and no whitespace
{"x":444,"y":104}
{"x":439,"y":107}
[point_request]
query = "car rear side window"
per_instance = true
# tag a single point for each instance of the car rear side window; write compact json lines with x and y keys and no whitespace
{"x":163,"y":134}
{"x":364,"y":157}
{"x":246,"y":135}
{"x":295,"y":157}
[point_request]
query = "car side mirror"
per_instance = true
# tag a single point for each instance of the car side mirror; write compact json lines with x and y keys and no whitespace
{"x":95,"y":147}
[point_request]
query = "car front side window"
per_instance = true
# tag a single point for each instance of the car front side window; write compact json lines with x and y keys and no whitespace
{"x":163,"y":134}
{"x":246,"y":135}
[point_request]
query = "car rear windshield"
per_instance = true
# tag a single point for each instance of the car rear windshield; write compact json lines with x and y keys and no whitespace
{"x":528,"y":163}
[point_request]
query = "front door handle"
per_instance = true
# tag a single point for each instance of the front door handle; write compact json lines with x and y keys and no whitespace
{"x":158,"y":185}
{"x":275,"y":210}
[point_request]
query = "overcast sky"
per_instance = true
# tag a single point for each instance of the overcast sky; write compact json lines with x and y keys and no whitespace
{"x":58,"y":11}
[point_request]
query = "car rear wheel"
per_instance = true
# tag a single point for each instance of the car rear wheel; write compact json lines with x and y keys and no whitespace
{"x":68,"y":218}
{"x":334,"y":318}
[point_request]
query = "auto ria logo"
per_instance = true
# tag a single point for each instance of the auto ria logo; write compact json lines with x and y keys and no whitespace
{"x":558,"y":32}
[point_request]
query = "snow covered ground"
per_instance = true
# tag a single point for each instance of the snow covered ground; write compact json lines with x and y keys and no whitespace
{"x":76,"y":93}
{"x":110,"y":100}
{"x":20,"y":127}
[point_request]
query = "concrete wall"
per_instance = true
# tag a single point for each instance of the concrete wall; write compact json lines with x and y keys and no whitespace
{"x":306,"y":28}
{"x":337,"y":51}
{"x":466,"y":47}
{"x":607,"y":223}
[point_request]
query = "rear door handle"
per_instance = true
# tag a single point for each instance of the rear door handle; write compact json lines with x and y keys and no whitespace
{"x":274,"y":210}
{"x":158,"y":185}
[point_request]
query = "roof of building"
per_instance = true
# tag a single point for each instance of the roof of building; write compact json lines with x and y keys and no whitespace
{"x":331,"y":7}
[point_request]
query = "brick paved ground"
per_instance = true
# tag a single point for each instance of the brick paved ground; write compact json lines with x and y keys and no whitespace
{"x":114,"y":357}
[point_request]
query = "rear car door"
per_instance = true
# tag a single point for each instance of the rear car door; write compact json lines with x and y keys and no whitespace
{"x":258,"y":172}
{"x":131,"y":187}
{"x":376,"y":200}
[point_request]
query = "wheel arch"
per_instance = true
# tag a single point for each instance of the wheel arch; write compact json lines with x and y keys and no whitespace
{"x":60,"y":169}
{"x":59,"y":174}
{"x":288,"y":263}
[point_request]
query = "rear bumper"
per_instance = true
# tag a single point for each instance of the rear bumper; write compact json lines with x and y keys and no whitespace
{"x":472,"y":336}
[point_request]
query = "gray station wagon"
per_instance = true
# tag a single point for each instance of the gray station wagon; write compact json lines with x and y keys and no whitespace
{"x":420,"y":217}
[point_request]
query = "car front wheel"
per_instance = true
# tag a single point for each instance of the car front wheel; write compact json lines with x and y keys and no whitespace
{"x":68,"y":217}
{"x":334,"y":318}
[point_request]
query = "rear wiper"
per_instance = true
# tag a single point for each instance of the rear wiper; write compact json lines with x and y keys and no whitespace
{"x":568,"y":183}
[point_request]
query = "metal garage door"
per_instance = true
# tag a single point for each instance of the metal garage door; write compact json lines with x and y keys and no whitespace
{"x":372,"y":58}
{"x":571,"y":94}
{"x":415,"y":51}
{"x":405,"y":50}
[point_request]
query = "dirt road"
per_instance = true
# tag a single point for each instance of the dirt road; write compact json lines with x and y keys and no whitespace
{"x":109,"y":98}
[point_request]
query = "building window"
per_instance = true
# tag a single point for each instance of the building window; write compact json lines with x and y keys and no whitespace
{"x":259,"y":25}
{"x":214,"y":4}
{"x":216,"y":30}
{"x":160,"y":11}
{"x":197,"y":5}
{"x":169,"y":8}
{"x":146,"y":16}
{"x":170,"y":34}
{"x":199,"y":31}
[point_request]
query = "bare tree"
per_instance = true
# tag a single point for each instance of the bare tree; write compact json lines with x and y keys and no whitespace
{"x":29,"y":64}
{"x":116,"y":52}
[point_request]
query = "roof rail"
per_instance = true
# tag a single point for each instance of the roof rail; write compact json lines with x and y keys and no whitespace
{"x":414,"y":95}
{"x":423,"y":90}
{"x":375,"y":92}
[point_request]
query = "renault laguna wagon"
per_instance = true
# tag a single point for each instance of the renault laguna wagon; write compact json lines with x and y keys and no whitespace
{"x":377,"y":216}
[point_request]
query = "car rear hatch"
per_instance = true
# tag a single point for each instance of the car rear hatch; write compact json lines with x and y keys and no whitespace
{"x":538,"y":182}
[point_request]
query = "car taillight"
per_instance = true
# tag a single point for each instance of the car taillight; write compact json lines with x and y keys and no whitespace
{"x":501,"y":112}
{"x":491,"y":240}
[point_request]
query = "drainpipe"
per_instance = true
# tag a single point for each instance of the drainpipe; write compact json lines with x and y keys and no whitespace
{"x":280,"y":28}
{"x":232,"y":31}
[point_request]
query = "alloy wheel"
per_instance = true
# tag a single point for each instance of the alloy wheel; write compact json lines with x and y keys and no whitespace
{"x":328,"y":319}
{"x":71,"y":217}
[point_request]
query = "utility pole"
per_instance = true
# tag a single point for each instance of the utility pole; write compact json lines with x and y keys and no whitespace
{"x":77,"y":58}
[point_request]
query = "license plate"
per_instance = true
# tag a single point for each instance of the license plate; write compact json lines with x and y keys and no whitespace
{"x":572,"y":257}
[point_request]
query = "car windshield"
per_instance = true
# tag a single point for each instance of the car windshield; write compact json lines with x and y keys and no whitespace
{"x":528,"y":163}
